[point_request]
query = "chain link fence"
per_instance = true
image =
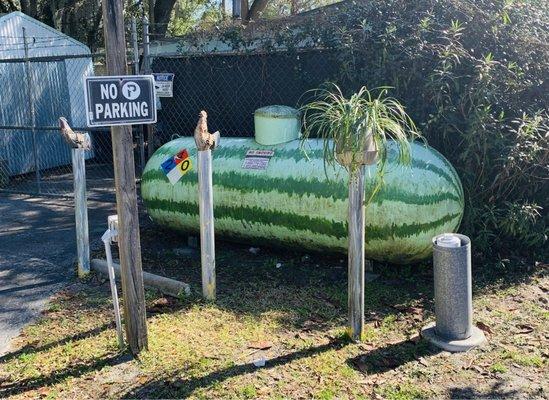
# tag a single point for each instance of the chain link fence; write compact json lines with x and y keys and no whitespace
{"x":34,"y":158}
{"x":232,"y":86}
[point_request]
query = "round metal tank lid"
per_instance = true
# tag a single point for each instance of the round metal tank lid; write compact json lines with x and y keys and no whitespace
{"x":277,"y":111}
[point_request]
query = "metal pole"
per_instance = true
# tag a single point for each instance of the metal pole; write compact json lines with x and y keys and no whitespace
{"x":136,"y":72}
{"x":107,"y":238}
{"x":207,"y":237}
{"x":148,"y":129}
{"x":30,"y":86}
{"x":81,"y":211}
{"x":146,"y":46}
{"x":356,"y":254}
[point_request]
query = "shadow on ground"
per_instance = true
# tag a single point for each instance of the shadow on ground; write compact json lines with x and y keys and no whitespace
{"x":183,"y":388}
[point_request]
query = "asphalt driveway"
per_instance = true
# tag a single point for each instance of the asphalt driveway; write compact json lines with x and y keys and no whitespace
{"x":37,"y":254}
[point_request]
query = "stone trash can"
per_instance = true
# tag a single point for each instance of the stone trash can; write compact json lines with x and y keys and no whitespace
{"x":453,"y":329}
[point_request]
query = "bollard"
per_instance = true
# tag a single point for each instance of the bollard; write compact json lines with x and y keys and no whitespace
{"x":453,"y":330}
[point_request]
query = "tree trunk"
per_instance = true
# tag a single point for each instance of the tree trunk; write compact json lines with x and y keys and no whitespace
{"x":244,"y":9}
{"x":29,"y":7}
{"x":258,"y":6}
{"x":162,"y":14}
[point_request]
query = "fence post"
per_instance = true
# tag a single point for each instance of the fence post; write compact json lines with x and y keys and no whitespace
{"x":207,"y":236}
{"x":32,"y":110}
{"x":81,"y":211}
{"x":136,"y":72}
{"x":148,"y":129}
{"x":126,"y":195}
{"x":356,"y":254}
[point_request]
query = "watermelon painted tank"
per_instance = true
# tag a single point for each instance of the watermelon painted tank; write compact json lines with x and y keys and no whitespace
{"x":294,"y":202}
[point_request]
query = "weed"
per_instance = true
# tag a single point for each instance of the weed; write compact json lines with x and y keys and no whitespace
{"x":248,"y":392}
{"x":498,"y":368}
{"x":402,"y":392}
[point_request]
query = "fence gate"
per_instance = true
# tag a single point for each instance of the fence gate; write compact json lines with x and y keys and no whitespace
{"x":34,"y":159}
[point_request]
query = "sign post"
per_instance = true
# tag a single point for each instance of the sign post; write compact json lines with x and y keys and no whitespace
{"x":124,"y":174}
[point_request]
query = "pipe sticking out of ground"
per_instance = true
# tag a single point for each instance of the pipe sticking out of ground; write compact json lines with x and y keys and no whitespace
{"x":168,"y":286}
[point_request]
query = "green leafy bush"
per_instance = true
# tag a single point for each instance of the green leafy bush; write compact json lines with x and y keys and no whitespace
{"x":474,"y":77}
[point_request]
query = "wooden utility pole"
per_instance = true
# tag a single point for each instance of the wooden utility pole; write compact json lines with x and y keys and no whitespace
{"x":126,"y":195}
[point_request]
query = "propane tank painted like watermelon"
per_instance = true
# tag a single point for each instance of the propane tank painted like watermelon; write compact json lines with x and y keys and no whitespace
{"x":294,"y":202}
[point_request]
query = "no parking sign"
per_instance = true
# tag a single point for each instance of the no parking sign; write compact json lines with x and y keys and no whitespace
{"x":120,"y":100}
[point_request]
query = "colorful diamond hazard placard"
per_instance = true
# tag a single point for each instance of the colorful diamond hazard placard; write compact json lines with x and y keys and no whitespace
{"x":177,"y":166}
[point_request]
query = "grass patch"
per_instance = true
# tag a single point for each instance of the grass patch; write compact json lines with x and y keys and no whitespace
{"x":498,"y":368}
{"x":402,"y":392}
{"x":296,"y":315}
{"x":525,"y":360}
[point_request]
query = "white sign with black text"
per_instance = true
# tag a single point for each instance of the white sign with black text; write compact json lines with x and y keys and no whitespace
{"x":163,"y":84}
{"x":257,"y":159}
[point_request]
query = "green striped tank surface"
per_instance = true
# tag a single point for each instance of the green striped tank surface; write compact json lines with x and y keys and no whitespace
{"x":295,"y":202}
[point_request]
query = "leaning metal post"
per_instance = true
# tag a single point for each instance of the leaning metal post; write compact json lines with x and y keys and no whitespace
{"x":111,"y":235}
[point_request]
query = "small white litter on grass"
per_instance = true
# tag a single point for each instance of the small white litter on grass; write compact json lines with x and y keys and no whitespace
{"x":260,"y":362}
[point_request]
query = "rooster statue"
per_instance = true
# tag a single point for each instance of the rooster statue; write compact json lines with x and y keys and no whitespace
{"x":203,"y":139}
{"x":77,"y":140}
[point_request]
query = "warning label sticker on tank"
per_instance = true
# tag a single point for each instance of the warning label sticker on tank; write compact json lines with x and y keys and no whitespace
{"x":177,"y":166}
{"x":257,"y":159}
